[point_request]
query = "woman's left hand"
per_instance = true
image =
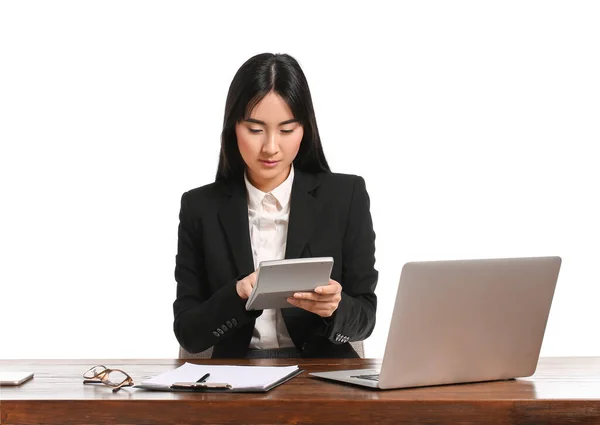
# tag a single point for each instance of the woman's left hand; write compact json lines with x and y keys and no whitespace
{"x":323,"y":301}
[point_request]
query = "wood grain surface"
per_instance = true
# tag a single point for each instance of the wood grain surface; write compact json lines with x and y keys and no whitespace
{"x":562,"y":391}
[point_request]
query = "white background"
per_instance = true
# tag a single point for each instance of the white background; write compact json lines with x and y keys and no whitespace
{"x":475,"y":125}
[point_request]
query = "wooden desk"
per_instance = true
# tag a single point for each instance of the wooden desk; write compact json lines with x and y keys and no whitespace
{"x":563,"y":390}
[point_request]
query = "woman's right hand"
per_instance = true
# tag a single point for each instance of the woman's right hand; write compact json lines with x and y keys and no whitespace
{"x":244,"y":286}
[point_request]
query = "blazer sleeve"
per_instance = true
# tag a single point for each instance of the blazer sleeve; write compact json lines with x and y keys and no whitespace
{"x":202,"y":319}
{"x":354,"y":318}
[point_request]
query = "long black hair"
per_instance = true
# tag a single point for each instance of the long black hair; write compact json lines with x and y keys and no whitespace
{"x":257,"y":77}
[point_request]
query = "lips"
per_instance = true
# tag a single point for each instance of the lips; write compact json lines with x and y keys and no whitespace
{"x":270,"y":163}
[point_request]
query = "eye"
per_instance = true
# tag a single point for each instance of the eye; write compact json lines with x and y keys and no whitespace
{"x":287,"y":131}
{"x":254,"y":130}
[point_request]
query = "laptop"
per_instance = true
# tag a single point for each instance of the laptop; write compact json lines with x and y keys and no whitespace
{"x":463,"y":321}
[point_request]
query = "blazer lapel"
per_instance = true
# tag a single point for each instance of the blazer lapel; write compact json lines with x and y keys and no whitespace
{"x":304,"y":213}
{"x":233,"y":216}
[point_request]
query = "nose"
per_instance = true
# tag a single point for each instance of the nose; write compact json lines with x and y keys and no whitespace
{"x":271,"y":144}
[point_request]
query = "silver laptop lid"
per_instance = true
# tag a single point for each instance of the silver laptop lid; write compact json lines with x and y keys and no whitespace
{"x":468,"y":320}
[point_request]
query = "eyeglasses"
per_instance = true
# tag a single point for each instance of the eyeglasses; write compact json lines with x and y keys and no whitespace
{"x":115,"y":378}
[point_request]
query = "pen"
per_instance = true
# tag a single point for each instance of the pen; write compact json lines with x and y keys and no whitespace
{"x":204,"y":378}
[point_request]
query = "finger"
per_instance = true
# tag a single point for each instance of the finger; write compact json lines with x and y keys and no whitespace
{"x":250,"y":285}
{"x":303,"y":304}
{"x":316,"y":297}
{"x":322,"y":309}
{"x":332,"y":288}
{"x":242,"y":289}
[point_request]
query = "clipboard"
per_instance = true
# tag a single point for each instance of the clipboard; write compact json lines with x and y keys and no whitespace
{"x":227,"y":378}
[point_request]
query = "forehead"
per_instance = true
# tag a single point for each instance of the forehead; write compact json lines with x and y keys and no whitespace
{"x":271,"y":109}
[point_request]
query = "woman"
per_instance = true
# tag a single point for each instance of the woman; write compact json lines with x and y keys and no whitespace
{"x":274,"y":197}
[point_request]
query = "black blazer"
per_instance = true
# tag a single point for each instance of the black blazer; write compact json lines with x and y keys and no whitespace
{"x":329,"y":216}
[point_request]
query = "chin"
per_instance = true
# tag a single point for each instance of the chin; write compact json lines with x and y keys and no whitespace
{"x":269,"y":174}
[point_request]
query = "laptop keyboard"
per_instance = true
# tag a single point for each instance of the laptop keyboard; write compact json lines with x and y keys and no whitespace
{"x":373,"y":377}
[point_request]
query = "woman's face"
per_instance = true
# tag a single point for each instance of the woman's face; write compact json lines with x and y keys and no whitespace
{"x":269,"y":141}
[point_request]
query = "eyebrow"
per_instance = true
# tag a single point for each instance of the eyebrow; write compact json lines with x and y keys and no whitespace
{"x":252,"y":120}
